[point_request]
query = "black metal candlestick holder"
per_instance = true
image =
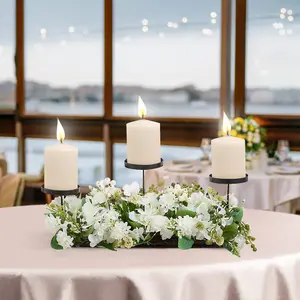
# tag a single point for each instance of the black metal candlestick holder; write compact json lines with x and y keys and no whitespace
{"x":228,"y":182}
{"x":143,"y":168}
{"x":61,"y":194}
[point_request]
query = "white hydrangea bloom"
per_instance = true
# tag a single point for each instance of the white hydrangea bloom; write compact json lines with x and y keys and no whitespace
{"x":98,"y":198}
{"x":137,"y":234}
{"x":119,"y":231}
{"x":166,"y":233}
{"x":64,"y":240}
{"x":53,"y":224}
{"x":157,"y":223}
{"x":168,"y":202}
{"x":74,"y":204}
{"x":202,"y":211}
{"x":186,"y":226}
{"x":95,"y":239}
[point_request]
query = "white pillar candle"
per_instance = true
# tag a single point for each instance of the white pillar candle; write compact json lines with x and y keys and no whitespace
{"x":61,"y":164}
{"x":228,"y":155}
{"x":143,"y":140}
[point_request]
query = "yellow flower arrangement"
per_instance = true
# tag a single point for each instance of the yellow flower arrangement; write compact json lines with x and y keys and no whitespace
{"x":248,"y":130}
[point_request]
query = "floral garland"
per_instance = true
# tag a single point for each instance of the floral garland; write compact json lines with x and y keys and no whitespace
{"x":112,"y":218}
{"x":250,"y":131}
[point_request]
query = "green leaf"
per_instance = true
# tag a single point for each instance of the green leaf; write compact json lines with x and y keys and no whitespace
{"x":107,"y":246}
{"x":237,"y":214}
{"x":134,"y":224}
{"x":54,"y":244}
{"x":83,"y":202}
{"x":185,"y":212}
{"x":230,"y":232}
{"x":88,"y":232}
{"x":185,"y":243}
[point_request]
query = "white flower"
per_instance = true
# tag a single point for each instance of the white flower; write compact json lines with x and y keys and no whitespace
{"x":137,"y":234}
{"x":119,"y":231}
{"x":53,"y":223}
{"x":150,"y":199}
{"x":202,"y":232}
{"x":113,"y":183}
{"x":131,"y":189}
{"x":233,"y":200}
{"x":256,"y":138}
{"x":56,"y":201}
{"x":95,"y":239}
{"x":186,"y":226}
{"x":183,"y":197}
{"x":198,"y":198}
{"x":245,"y":128}
{"x":74,"y":203}
{"x":168,"y":202}
{"x":157,"y":223}
{"x":226,"y":221}
{"x":64,"y":240}
{"x":106,"y":181}
{"x":238,"y":128}
{"x":166,"y":234}
{"x":99,"y":198}
{"x":89,"y":212}
{"x":202,"y":211}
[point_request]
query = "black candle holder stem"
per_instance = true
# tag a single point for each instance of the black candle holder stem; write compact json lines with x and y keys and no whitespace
{"x":61,"y":193}
{"x":143,"y":168}
{"x":228,"y":182}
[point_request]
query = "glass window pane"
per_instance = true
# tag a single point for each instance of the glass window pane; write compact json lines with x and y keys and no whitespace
{"x":64,"y":57}
{"x":167,"y":52}
{"x":7,"y":52}
{"x":273,"y":85}
{"x":124,"y":176}
{"x":91,"y":160}
{"x":9,"y":149}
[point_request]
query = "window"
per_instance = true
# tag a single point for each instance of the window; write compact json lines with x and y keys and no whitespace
{"x":7,"y":52}
{"x":8,"y":150}
{"x":64,"y":57}
{"x":125,"y":176}
{"x":272,"y":62}
{"x":167,"y":52}
{"x":91,"y":160}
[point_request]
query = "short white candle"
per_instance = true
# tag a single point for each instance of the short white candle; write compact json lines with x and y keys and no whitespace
{"x":228,"y":155}
{"x":143,"y":140}
{"x":61,"y":164}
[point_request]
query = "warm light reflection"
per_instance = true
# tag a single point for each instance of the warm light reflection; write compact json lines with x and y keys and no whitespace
{"x":283,"y":10}
{"x":290,"y":12}
{"x":145,"y":22}
{"x":213,"y":14}
{"x":282,"y":16}
{"x":71,"y":29}
{"x":214,"y":21}
{"x":291,"y":18}
{"x":184,"y":20}
{"x":142,"y":108}
{"x":60,"y":133}
{"x":145,"y":29}
{"x":226,"y":124}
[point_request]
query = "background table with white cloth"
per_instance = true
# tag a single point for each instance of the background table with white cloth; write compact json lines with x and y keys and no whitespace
{"x":262,"y":191}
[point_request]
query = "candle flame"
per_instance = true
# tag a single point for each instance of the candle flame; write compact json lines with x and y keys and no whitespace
{"x":60,"y":133}
{"x":142,"y":108}
{"x":226,"y":124}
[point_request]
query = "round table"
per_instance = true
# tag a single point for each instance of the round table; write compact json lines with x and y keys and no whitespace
{"x":30,"y":269}
{"x":262,"y":191}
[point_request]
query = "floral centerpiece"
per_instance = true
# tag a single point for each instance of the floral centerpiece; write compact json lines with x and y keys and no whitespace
{"x":250,"y":131}
{"x":112,"y":218}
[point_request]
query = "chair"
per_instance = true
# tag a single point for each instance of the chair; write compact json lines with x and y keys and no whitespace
{"x":3,"y":166}
{"x":11,"y":190}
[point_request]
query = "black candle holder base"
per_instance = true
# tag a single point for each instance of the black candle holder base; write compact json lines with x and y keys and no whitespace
{"x":143,"y":168}
{"x":60,"y":193}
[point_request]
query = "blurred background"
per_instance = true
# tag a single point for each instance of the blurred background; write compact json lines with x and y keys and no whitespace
{"x":86,"y":62}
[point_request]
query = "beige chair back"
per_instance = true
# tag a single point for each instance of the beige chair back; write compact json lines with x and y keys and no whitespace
{"x":11,"y":190}
{"x":3,"y":166}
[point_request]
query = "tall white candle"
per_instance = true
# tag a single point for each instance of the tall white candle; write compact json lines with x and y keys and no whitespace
{"x":143,"y":140}
{"x":228,"y":155}
{"x":61,"y":164}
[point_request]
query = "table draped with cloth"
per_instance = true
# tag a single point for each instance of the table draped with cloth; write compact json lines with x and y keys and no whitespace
{"x":263,"y":191}
{"x":31,"y":270}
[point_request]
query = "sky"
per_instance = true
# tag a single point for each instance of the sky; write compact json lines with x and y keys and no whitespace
{"x":64,"y":42}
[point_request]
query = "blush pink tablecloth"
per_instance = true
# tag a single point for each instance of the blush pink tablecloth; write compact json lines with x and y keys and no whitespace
{"x":31,"y":270}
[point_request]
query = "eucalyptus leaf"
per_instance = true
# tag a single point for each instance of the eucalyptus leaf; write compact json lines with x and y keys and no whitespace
{"x":88,"y":232}
{"x":83,"y":202}
{"x":185,"y":212}
{"x":185,"y":243}
{"x":237,"y":214}
{"x":230,"y":231}
{"x":107,"y":246}
{"x":54,"y":244}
